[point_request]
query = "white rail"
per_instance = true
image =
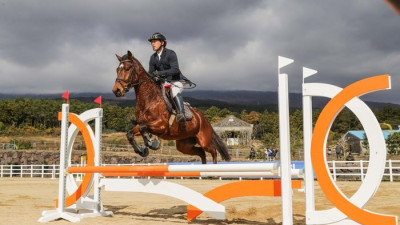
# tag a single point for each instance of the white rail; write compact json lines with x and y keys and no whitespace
{"x":340,"y":170}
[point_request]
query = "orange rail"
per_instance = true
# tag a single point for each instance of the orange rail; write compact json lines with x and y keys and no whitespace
{"x":119,"y":169}
{"x":152,"y":174}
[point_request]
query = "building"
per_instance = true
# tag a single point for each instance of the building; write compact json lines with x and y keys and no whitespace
{"x":234,"y":131}
{"x":354,"y":139}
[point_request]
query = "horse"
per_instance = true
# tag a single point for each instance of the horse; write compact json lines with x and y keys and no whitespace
{"x":152,"y":116}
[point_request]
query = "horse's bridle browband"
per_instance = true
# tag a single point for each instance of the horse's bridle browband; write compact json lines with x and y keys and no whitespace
{"x":128,"y":82}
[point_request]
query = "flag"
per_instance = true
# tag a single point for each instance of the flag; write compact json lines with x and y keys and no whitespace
{"x":66,"y":96}
{"x":308,"y":72}
{"x":98,"y":100}
{"x":283,"y":61}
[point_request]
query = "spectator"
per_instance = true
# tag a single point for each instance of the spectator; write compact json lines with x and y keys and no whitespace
{"x":269,"y":154}
{"x":339,"y":151}
{"x":252,"y":153}
{"x":350,"y":156}
{"x":274,"y":153}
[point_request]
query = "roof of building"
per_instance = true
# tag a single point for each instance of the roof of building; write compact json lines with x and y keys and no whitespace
{"x":360,"y":133}
{"x":231,"y":121}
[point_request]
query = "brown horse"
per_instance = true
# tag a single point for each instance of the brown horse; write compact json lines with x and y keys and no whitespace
{"x":152,"y":116}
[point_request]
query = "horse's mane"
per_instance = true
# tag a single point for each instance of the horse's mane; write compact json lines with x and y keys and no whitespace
{"x":140,"y":66}
{"x":140,"y":71}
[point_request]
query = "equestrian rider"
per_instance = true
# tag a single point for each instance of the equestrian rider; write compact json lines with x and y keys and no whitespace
{"x":164,"y":64}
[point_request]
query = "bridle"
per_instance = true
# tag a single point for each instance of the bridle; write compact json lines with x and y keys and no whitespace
{"x":128,"y":83}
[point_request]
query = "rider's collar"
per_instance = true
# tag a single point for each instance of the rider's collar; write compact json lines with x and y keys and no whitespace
{"x":161,"y":51}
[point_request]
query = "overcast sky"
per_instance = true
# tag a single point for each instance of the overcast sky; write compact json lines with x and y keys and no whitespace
{"x":50,"y":46}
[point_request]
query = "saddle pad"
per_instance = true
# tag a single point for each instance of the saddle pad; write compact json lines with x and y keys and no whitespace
{"x":188,"y":111}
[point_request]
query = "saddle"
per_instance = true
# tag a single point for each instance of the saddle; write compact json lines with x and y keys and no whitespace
{"x":166,"y":93}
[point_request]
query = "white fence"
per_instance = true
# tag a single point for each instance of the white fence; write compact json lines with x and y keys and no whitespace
{"x":356,"y":170}
{"x":340,"y":170}
{"x":43,"y":171}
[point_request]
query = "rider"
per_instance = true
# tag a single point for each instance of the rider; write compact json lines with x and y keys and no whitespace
{"x":164,"y":64}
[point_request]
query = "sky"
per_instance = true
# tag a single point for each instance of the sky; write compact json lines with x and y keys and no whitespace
{"x":49,"y":46}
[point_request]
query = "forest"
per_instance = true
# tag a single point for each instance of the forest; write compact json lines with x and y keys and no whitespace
{"x":27,"y":116}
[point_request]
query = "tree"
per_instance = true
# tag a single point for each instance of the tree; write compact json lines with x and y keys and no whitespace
{"x":365,"y":144}
{"x":296,"y":131}
{"x":224,"y":113}
{"x":211,"y":113}
{"x":393,"y":143}
{"x":253,"y":117}
{"x":271,"y":140}
{"x":243,"y":114}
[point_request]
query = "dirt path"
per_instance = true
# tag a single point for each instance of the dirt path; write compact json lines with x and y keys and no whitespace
{"x":23,"y":199}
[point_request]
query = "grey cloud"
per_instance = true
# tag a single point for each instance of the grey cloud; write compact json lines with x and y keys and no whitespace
{"x":49,"y":46}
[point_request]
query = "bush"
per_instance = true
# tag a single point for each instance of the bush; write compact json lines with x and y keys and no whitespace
{"x":21,"y":144}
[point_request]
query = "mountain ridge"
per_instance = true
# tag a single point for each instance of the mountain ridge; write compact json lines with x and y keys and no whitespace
{"x":204,"y":98}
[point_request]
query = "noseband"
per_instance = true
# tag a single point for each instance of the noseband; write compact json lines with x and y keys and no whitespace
{"x":128,"y":82}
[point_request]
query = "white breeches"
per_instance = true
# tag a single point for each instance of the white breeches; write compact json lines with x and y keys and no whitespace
{"x":176,"y":88}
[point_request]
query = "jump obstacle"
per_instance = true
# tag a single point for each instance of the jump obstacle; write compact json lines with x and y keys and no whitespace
{"x":74,"y":202}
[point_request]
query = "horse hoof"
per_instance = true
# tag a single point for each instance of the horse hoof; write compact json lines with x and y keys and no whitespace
{"x":155,"y":145}
{"x":144,"y":151}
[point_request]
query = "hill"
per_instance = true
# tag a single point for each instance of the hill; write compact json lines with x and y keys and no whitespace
{"x":232,"y":100}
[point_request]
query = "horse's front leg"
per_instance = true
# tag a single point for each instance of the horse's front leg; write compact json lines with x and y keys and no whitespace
{"x":153,"y":144}
{"x":141,"y":150}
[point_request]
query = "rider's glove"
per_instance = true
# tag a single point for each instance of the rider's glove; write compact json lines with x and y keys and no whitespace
{"x":159,"y":74}
{"x":157,"y":80}
{"x":156,"y":77}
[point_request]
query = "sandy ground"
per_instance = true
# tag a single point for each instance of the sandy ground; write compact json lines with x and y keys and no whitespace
{"x":23,"y":199}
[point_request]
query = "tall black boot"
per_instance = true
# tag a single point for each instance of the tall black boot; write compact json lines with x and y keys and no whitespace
{"x":180,"y":110}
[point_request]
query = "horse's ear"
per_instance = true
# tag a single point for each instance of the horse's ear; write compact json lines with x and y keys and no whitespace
{"x":119,"y":57}
{"x":130,"y":54}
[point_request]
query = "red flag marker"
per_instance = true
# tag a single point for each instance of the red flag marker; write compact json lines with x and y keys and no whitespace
{"x":66,"y":96}
{"x":98,"y":100}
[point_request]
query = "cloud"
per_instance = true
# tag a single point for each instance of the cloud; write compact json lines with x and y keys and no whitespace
{"x":47,"y":46}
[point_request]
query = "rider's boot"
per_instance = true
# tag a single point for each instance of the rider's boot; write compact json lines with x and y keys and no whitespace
{"x":180,"y":110}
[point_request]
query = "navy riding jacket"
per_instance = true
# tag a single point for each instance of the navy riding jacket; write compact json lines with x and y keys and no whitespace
{"x":167,"y":67}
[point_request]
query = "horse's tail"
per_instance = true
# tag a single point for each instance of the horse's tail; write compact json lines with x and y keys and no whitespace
{"x":220,"y":146}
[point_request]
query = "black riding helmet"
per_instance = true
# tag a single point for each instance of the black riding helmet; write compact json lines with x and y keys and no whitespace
{"x":158,"y":36}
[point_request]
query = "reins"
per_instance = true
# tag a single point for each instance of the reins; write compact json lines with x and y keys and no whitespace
{"x":128,"y":82}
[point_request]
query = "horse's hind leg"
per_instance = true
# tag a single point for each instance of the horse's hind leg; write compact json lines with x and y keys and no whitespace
{"x":187,"y":146}
{"x":207,"y":146}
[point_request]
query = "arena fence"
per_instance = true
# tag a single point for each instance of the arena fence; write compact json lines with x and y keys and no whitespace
{"x":340,"y":170}
{"x":236,"y":153}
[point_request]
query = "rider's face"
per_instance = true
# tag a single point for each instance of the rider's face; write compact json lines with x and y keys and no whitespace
{"x":156,"y":44}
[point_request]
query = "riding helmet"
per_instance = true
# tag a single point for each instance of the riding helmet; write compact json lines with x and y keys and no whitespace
{"x":158,"y":36}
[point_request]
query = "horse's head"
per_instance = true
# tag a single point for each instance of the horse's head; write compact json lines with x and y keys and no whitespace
{"x":126,"y":75}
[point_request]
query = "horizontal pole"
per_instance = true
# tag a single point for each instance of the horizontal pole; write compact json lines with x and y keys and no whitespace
{"x":177,"y":168}
{"x":245,"y":167}
{"x":116,"y":169}
{"x":153,"y":174}
{"x":191,"y":174}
